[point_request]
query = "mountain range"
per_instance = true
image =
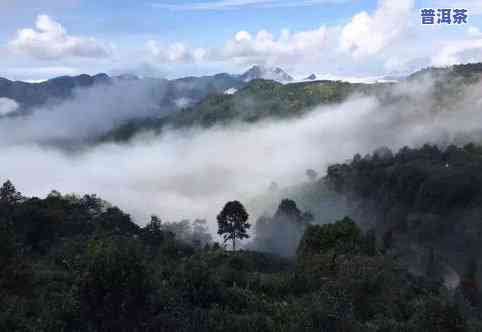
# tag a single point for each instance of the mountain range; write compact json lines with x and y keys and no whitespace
{"x":172,"y":93}
{"x":221,"y":98}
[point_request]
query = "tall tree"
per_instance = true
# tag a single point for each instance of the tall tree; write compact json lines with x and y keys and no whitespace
{"x":233,"y":222}
{"x":9,"y":197}
{"x":9,"y":194}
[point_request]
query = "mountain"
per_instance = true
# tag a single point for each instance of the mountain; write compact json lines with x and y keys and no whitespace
{"x":469,"y":72}
{"x":29,"y":95}
{"x":267,"y":73}
{"x":260,"y":99}
{"x":197,"y":88}
{"x":312,"y":77}
{"x":221,"y":98}
{"x":169,"y":93}
{"x":265,"y":98}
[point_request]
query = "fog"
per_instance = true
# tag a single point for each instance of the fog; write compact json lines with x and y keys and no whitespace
{"x":88,"y":113}
{"x":192,"y":173}
{"x":7,"y":106}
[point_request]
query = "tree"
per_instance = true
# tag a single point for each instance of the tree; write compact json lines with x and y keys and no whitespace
{"x":9,"y":194}
{"x":288,"y":209}
{"x":152,"y":233}
{"x":232,"y":222}
{"x":114,"y":221}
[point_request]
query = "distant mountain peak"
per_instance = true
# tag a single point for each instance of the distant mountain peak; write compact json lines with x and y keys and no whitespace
{"x":312,"y":77}
{"x":269,"y":73}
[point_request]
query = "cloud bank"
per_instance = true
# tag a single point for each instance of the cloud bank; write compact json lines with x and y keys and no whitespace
{"x":89,"y":113}
{"x":191,"y":173}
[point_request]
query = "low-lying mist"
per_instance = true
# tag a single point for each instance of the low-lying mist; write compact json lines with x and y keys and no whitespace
{"x":90,"y":112}
{"x":191,"y":173}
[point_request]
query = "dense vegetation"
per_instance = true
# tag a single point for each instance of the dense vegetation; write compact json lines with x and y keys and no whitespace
{"x":426,"y":199}
{"x":259,"y":99}
{"x":78,"y":264}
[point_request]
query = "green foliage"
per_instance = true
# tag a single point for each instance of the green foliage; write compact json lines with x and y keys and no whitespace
{"x":233,"y":222}
{"x":342,"y":237}
{"x":7,"y":242}
{"x":259,"y":99}
{"x":115,"y":286}
{"x":9,"y":194}
{"x":97,"y":271}
{"x":426,"y":196}
{"x":265,"y":99}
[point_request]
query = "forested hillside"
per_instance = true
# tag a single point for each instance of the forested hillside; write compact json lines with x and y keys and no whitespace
{"x":424,"y":205}
{"x":428,"y":90}
{"x":77,"y":264}
{"x":258,"y":100}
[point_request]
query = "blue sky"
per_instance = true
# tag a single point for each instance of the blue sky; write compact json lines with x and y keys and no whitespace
{"x":339,"y":38}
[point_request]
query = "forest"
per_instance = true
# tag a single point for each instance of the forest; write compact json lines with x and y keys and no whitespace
{"x":77,"y":263}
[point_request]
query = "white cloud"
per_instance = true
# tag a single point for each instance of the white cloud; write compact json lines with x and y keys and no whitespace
{"x":50,"y":41}
{"x":230,"y":91}
{"x":351,"y":79}
{"x":368,"y":34}
{"x":7,"y":106}
{"x":175,"y":53}
{"x":287,"y":48}
{"x":242,"y":48}
{"x":182,"y":102}
{"x":457,"y":52}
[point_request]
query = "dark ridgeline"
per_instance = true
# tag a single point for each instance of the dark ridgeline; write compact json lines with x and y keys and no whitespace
{"x":194,"y":89}
{"x":30,"y":96}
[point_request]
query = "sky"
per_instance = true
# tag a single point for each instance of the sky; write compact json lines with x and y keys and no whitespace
{"x":173,"y":38}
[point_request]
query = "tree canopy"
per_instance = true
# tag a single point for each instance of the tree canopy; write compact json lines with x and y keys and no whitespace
{"x":233,"y":222}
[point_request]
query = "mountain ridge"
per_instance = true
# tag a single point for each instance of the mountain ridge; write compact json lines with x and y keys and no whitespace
{"x":262,"y":72}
